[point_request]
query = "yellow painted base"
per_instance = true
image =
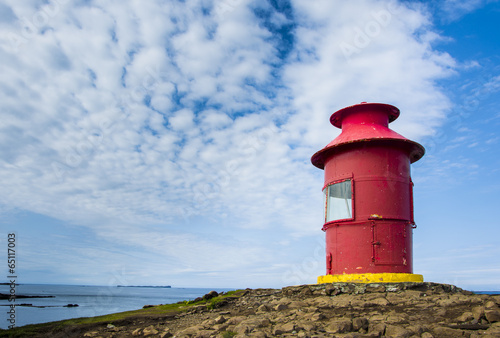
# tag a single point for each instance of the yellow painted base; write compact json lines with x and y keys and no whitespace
{"x":372,"y":278}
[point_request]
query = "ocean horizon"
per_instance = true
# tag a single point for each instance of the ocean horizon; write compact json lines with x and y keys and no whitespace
{"x":92,"y":300}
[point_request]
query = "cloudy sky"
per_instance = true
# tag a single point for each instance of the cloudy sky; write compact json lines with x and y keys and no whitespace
{"x":169,"y":142}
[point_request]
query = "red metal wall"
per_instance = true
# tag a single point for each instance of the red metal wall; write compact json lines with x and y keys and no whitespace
{"x":379,"y":239}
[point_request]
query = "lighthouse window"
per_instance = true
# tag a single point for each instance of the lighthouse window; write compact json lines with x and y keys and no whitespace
{"x":338,"y":201}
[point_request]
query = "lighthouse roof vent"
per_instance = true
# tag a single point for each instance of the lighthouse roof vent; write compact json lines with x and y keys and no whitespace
{"x":366,"y":123}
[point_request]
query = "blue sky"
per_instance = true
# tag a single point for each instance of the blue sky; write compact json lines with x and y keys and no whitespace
{"x":169,"y":142}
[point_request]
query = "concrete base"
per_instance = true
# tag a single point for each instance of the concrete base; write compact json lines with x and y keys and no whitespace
{"x":372,"y":278}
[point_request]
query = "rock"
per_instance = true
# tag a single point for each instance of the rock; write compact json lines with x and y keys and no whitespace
{"x":149,"y":331}
{"x":339,"y":326}
{"x":399,"y":318}
{"x":396,"y":331}
{"x":347,"y":287}
{"x":281,"y":307}
{"x":462,"y":299}
{"x":306,"y":291}
{"x":490,"y":305}
{"x":331,"y":290}
{"x":257,"y":334}
{"x":91,"y":334}
{"x":166,"y":333}
{"x":263,"y":308}
{"x":375,"y":288}
{"x":220,"y":320}
{"x":377,"y":318}
{"x":494,"y":330}
{"x":478,"y":312}
{"x":465,"y":317}
{"x":427,"y":335}
{"x":317,"y":317}
{"x":341,"y":301}
{"x":379,"y":301}
{"x":190,"y":331}
{"x":147,"y":306}
{"x":297,"y":304}
{"x":204,"y":334}
{"x":219,"y":327}
{"x":413,"y":294}
{"x":492,"y":316}
{"x":208,"y":323}
{"x":304,"y":325}
{"x":243,"y":328}
{"x":284,"y":328}
{"x":293,"y":290}
{"x":210,"y":295}
{"x":235,"y":320}
{"x":136,"y":332}
{"x":442,"y":331}
{"x":320,"y":303}
{"x":416,"y":329}
{"x":446,"y":302}
{"x":377,"y":329}
{"x":284,"y":300}
{"x":440,"y":313}
{"x":256,"y":322}
{"x":359,"y":323}
{"x":395,"y":299}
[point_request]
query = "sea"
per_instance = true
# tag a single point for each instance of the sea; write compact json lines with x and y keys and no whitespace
{"x":92,"y":301}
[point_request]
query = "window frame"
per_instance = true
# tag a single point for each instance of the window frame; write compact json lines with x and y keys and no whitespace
{"x":412,"y":215}
{"x":326,"y":194}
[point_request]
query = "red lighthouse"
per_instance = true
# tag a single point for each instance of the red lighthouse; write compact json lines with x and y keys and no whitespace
{"x":368,"y":197}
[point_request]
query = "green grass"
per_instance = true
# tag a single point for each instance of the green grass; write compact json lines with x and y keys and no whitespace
{"x":31,"y":330}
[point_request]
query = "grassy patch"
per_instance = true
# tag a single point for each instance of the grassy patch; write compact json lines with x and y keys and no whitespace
{"x":228,"y":334}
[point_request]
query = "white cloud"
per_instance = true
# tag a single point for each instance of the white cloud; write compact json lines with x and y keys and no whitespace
{"x":454,"y":9}
{"x":377,"y":69}
{"x":183,"y":120}
{"x":162,"y":112}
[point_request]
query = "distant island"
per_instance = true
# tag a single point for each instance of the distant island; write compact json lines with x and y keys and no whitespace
{"x":145,"y":286}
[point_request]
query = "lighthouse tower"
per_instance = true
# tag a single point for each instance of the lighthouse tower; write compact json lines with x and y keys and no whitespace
{"x":368,"y":197}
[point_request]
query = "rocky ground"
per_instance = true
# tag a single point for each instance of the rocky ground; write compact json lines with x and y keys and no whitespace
{"x":327,"y":310}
